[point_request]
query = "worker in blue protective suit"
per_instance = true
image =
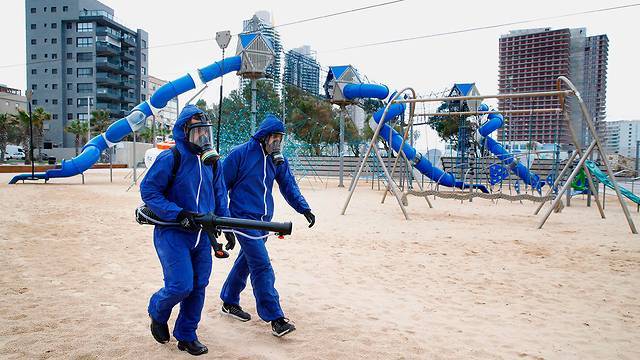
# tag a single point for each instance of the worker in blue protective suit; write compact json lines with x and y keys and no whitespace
{"x":249,"y":172}
{"x":180,"y":192}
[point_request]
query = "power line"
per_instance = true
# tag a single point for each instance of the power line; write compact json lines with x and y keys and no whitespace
{"x":481,"y":28}
{"x":212,"y":38}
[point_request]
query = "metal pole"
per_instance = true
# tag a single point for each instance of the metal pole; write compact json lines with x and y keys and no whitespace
{"x":637,"y":158}
{"x":111,"y":164}
{"x":33,"y":165}
{"x":254,"y":111}
{"x":566,"y":185}
{"x":220,"y":105}
{"x":89,"y":116}
{"x":480,"y":97}
{"x":153,"y":130}
{"x":341,"y":184}
{"x":135,"y":165}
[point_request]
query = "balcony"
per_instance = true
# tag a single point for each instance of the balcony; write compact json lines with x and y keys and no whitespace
{"x":128,"y":69}
{"x":108,"y":94}
{"x":129,"y":39}
{"x":104,"y":48}
{"x":103,"y":63}
{"x":129,"y":55}
{"x":107,"y":79}
{"x":107,"y":31}
{"x":129,"y":98}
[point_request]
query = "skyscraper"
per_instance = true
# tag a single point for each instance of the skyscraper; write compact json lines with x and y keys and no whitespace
{"x":302,"y":70}
{"x":531,"y":60}
{"x":262,"y":22}
{"x":79,"y":54}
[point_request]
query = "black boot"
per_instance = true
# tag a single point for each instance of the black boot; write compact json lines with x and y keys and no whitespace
{"x":194,"y":347}
{"x":160,"y":331}
{"x":281,"y":327}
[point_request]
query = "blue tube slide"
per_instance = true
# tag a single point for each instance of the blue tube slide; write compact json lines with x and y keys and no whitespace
{"x":420,"y":162}
{"x":362,"y":91}
{"x":494,"y":122}
{"x":134,"y":121}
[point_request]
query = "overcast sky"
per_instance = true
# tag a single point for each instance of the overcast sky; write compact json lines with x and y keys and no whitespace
{"x":427,"y":64}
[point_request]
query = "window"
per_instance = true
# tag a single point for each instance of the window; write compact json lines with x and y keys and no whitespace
{"x":33,"y":26}
{"x":82,"y":101}
{"x":45,"y":9}
{"x":34,"y":56}
{"x":69,"y":56}
{"x":84,"y":72}
{"x":144,"y":84}
{"x":84,"y":41}
{"x":34,"y":102}
{"x":55,"y":116}
{"x":144,"y":97}
{"x":83,"y":116}
{"x":33,"y":42}
{"x":46,"y":40}
{"x":144,"y":57}
{"x":46,"y":56}
{"x":144,"y":70}
{"x":54,"y":71}
{"x":46,"y":86}
{"x":65,"y":8}
{"x":69,"y":41}
{"x":46,"y":101}
{"x":69,"y":86}
{"x":54,"y":41}
{"x":54,"y":25}
{"x":84,"y":56}
{"x":69,"y":101}
{"x":54,"y":56}
{"x":54,"y":87}
{"x":33,"y":87}
{"x":69,"y":26}
{"x":85,"y":88}
{"x":54,"y":101}
{"x":34,"y":71}
{"x":69,"y":71}
{"x":54,"y":9}
{"x":46,"y":70}
{"x":33,"y":10}
{"x":84,"y":27}
{"x":69,"y":116}
{"x":144,"y":44}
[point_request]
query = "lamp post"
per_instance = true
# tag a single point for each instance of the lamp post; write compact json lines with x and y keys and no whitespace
{"x":29,"y":94}
{"x":222,"y":38}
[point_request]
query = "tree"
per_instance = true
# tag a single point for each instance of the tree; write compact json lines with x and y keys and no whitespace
{"x":80,"y":129}
{"x":100,"y":120}
{"x":39,"y":117}
{"x":146,"y":135}
{"x":449,"y":127}
{"x":25,"y":131}
{"x":7,"y":124}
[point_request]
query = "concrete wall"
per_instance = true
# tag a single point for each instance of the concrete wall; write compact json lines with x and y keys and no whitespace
{"x":124,"y":153}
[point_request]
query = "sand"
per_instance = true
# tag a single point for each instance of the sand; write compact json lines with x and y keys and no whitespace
{"x":472,"y":280}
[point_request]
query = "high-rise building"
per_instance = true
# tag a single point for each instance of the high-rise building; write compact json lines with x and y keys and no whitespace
{"x":302,"y":70}
{"x":531,"y":60}
{"x":622,"y":137}
{"x":168,"y":114}
{"x":81,"y":58}
{"x":263,"y":23}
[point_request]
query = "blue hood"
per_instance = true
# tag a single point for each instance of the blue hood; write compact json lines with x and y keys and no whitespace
{"x":178,"y":128}
{"x":271,"y":124}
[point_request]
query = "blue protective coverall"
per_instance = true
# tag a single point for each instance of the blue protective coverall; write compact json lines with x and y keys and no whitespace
{"x":249,"y":173}
{"x":185,"y":256}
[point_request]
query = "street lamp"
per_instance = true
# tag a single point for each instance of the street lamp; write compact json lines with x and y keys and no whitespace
{"x":29,"y":95}
{"x":222,"y":38}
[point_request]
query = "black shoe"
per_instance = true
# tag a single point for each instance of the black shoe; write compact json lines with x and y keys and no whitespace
{"x":160,"y":331}
{"x":235,"y":311}
{"x":194,"y":347}
{"x":281,"y":327}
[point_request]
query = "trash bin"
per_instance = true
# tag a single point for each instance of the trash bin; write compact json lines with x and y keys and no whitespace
{"x":51,"y":160}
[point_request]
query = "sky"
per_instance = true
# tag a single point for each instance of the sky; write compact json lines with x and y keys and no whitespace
{"x":427,"y":65}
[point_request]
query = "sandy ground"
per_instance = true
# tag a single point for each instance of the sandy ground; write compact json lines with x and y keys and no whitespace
{"x":472,"y":280}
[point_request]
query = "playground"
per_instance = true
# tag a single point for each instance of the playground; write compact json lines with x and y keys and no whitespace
{"x":450,"y":283}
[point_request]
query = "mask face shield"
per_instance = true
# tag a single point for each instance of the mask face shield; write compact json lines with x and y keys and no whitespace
{"x":273,"y":145}
{"x":200,"y":137}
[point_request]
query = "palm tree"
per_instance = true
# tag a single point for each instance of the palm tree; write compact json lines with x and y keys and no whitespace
{"x":7,"y":122}
{"x":80,"y":130}
{"x":100,"y":120}
{"x":39,"y":117}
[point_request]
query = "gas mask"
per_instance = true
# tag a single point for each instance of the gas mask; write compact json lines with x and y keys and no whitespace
{"x":273,"y":146}
{"x":200,"y":138}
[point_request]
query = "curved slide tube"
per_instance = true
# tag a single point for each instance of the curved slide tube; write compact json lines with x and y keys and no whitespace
{"x":494,"y":122}
{"x":136,"y":119}
{"x":352,"y":91}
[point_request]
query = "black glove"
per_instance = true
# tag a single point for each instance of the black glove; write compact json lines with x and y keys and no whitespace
{"x":231,"y":240}
{"x":187,"y":220}
{"x":310,"y":217}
